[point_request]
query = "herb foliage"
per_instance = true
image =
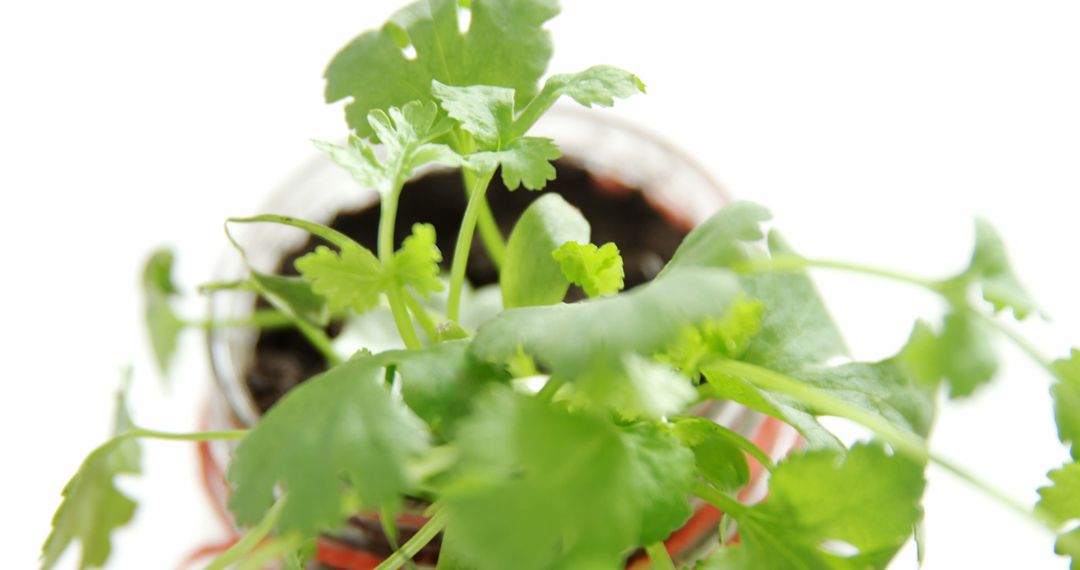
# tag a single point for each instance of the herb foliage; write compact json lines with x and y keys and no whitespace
{"x":603,"y":459}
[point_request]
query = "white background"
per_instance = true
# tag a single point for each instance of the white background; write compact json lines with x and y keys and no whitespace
{"x":875,"y":131}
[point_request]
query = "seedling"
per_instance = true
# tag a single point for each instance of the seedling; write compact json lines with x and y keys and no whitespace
{"x":602,"y":459}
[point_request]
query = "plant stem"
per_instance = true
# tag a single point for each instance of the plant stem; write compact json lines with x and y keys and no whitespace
{"x":194,"y":436}
{"x":394,"y":293}
{"x":464,"y":242}
{"x":250,"y":540}
{"x":659,"y":556}
{"x":421,"y":315}
{"x":315,"y":335}
{"x":550,"y":388}
{"x":418,"y":541}
{"x":905,"y":442}
{"x":902,"y":440}
{"x":786,"y":263}
{"x":1022,"y":343}
{"x":318,"y":230}
{"x":260,"y":319}
{"x":794,"y":262}
{"x":719,"y":500}
{"x":490,"y":235}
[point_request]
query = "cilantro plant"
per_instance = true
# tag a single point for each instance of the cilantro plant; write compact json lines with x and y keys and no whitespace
{"x":562,"y":435}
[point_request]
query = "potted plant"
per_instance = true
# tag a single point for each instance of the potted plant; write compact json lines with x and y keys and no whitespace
{"x":554,"y":434}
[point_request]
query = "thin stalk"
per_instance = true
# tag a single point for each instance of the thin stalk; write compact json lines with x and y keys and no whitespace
{"x":1022,"y":343}
{"x":659,"y":557}
{"x":902,"y":440}
{"x":719,"y":500}
{"x":749,"y":447}
{"x":787,"y":263}
{"x":251,"y":540}
{"x":194,"y":436}
{"x":490,"y":235}
{"x":550,"y":388}
{"x":905,"y":442}
{"x":272,"y":550}
{"x":318,"y":230}
{"x":419,"y":312}
{"x":793,"y":263}
{"x":315,"y":335}
{"x":464,"y":242}
{"x":260,"y":319}
{"x":394,"y":294}
{"x":214,"y":286}
{"x":426,"y":534}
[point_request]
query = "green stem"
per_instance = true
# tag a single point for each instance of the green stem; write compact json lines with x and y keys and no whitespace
{"x":419,"y":312}
{"x":795,"y":263}
{"x":1022,"y":343}
{"x":749,"y":447}
{"x":194,"y":436}
{"x":1010,"y":502}
{"x":903,"y":441}
{"x":315,"y":335}
{"x":272,"y":550}
{"x":464,"y":242}
{"x":394,"y":293}
{"x":260,"y":319}
{"x":318,"y":230}
{"x":418,"y":541}
{"x":719,"y":500}
{"x":251,"y":540}
{"x":659,"y":556}
{"x":490,"y":236}
{"x":550,"y":388}
{"x":214,"y":286}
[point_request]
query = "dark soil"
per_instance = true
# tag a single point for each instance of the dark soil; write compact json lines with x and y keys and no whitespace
{"x":647,"y":237}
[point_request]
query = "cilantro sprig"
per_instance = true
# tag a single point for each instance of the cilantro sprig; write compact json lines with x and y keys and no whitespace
{"x":549,"y":434}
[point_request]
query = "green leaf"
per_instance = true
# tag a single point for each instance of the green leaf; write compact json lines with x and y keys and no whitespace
{"x":405,"y":133}
{"x":565,"y":338}
{"x":162,"y":322}
{"x":577,"y":490}
{"x":1066,"y":394}
{"x":719,"y":460}
{"x":353,"y":278}
{"x":727,"y":337}
{"x":530,"y":276}
{"x":724,"y":239}
{"x":487,"y":113}
{"x":599,"y":85}
{"x":294,"y":296}
{"x":823,"y":502}
{"x":632,"y":385}
{"x":963,"y":354}
{"x":505,"y":46}
{"x":884,"y":388}
{"x":525,"y":162}
{"x":416,"y":264}
{"x":1060,"y":503}
{"x":333,"y":441}
{"x":588,"y":342}
{"x":663,"y":474}
{"x":991,"y":270}
{"x":440,"y":383}
{"x":797,"y":331}
{"x":484,"y":111}
{"x":93,"y":508}
{"x":599,"y":271}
